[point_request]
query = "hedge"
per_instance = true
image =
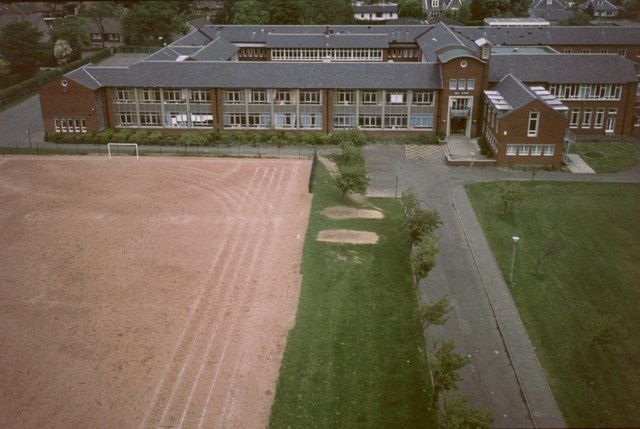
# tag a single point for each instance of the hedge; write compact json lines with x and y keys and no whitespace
{"x":27,"y":87}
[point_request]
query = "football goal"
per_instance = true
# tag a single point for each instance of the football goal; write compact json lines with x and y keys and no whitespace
{"x":122,"y":144}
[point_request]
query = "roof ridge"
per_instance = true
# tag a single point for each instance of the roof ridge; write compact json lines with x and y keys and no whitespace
{"x":90,"y":75}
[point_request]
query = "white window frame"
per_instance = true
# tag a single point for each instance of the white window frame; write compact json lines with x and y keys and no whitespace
{"x":310,"y":97}
{"x":258,"y":96}
{"x":586,"y":118}
{"x":471,"y":84}
{"x":423,"y":98}
{"x":232,"y":97}
{"x":512,"y":150}
{"x":535,"y":117}
{"x":599,"y":119}
{"x":536,"y":150}
{"x":523,"y":150}
{"x":453,"y":84}
{"x":57,"y":125}
{"x":549,"y":150}
{"x":369,"y":97}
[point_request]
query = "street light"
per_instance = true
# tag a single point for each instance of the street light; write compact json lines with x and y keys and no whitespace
{"x":29,"y":135}
{"x":513,"y":258}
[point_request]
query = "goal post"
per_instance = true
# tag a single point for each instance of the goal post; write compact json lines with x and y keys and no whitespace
{"x":122,"y":144}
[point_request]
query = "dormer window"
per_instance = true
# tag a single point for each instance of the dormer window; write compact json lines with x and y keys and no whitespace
{"x":435,"y":3}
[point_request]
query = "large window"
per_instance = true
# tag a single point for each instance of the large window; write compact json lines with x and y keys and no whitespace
{"x":575,"y":118}
{"x":422,"y":121}
{"x":599,"y":121}
{"x":586,"y":118}
{"x":511,"y":150}
{"x":150,"y":119}
{"x":534,"y":122}
{"x":321,"y":54}
{"x":586,"y":91}
{"x":126,"y":119}
{"x":395,"y":121}
{"x":370,"y":121}
{"x":285,"y":120}
{"x":172,"y":96}
{"x":201,"y":120}
{"x":199,"y":96}
{"x":311,"y":120}
{"x":124,"y":96}
{"x":423,"y":98}
{"x":345,"y":97}
{"x":259,"y":120}
{"x":369,"y":97}
{"x":344,"y":121}
{"x":258,"y":97}
{"x":283,"y":97}
{"x":397,"y":97}
{"x":151,"y":95}
{"x":232,"y":97}
{"x":310,"y":97}
{"x":235,"y":120}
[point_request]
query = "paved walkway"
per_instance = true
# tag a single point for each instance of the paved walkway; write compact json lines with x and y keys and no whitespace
{"x":504,"y":374}
{"x":576,"y":164}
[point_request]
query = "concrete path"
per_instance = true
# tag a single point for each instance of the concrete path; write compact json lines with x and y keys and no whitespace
{"x":576,"y":164}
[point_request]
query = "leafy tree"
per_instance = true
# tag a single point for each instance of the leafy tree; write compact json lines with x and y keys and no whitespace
{"x":630,"y":10}
{"x":458,"y":414}
{"x":352,"y":178}
{"x":420,"y":222}
{"x":62,"y":51}
{"x":97,"y":12}
{"x":350,"y":153}
{"x":438,"y":312}
{"x":580,"y":18}
{"x":154,"y":21}
{"x":225,"y":15}
{"x":409,"y":202}
{"x":324,"y":12}
{"x":423,"y":256}
{"x":410,"y":9}
{"x":71,"y":30}
{"x":247,"y":12}
{"x":463,"y":14}
{"x":511,"y":196}
{"x":481,"y":9}
{"x":445,"y":364}
{"x":20,"y":46}
{"x":285,"y":12}
{"x":351,"y":135}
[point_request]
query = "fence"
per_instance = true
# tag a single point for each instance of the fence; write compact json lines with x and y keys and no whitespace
{"x":241,"y":151}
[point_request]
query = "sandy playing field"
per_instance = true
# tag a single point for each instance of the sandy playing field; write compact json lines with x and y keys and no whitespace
{"x":146,"y":293}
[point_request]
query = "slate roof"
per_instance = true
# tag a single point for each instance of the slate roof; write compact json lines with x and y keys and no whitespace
{"x":218,"y":50}
{"x":560,"y":35}
{"x":563,"y":68}
{"x":542,"y":5}
{"x":111,"y":25}
{"x":327,"y":40}
{"x":553,"y":14}
{"x":514,"y":92}
{"x":246,"y":74}
{"x":598,"y":5}
{"x":440,"y":36}
{"x":83,"y":77}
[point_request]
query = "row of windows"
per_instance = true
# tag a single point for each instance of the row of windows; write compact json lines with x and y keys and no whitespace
{"x":532,"y":150}
{"x":279,"y":121}
{"x":462,"y":84}
{"x":395,"y":53}
{"x":390,"y":122}
{"x":586,"y":91}
{"x":251,"y":53}
{"x":320,"y":54}
{"x":589,"y":120}
{"x":121,"y":95}
{"x":489,"y":137}
{"x":70,"y":125}
{"x":419,"y":98}
{"x":260,"y":96}
{"x":621,"y":52}
{"x":171,"y":119}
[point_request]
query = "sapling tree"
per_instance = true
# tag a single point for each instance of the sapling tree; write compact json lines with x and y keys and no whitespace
{"x":352,"y":178}
{"x":423,"y":256}
{"x":510,"y":196}
{"x":437,"y":312}
{"x":420,"y":222}
{"x":458,"y":414}
{"x":445,"y":364}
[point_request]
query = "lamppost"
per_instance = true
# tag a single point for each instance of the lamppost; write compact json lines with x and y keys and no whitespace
{"x":513,"y":258}
{"x":29,"y":135}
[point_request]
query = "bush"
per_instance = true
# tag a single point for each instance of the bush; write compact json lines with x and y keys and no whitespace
{"x":122,"y":136}
{"x":239,"y":137}
{"x":193,"y":139}
{"x":290,"y":139}
{"x":210,"y":137}
{"x":424,"y":255}
{"x":104,"y":136}
{"x":484,"y":146}
{"x":420,"y":223}
{"x":350,"y":153}
{"x":352,"y":178}
{"x":223,"y":137}
{"x":170,"y":140}
{"x":69,"y":138}
{"x":139,"y":137}
{"x":155,"y":137}
{"x":321,"y":139}
{"x":87,"y":137}
{"x":51,"y":137}
{"x":307,"y":139}
{"x":352,"y":135}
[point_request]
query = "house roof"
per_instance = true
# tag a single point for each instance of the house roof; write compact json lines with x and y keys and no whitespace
{"x":376,"y":8}
{"x":553,"y":14}
{"x":246,"y":74}
{"x":546,"y":5}
{"x":560,"y":35}
{"x":563,"y":68}
{"x":439,"y":36}
{"x":598,"y":5}
{"x":511,"y":93}
{"x":111,"y":25}
{"x":217,"y":50}
{"x":83,"y":77}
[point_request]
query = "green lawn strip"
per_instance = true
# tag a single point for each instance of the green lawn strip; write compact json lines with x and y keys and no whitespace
{"x":355,"y":357}
{"x":607,"y":156}
{"x":595,"y":274}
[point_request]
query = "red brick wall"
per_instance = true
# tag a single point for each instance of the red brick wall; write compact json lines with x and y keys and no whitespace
{"x":71,"y":102}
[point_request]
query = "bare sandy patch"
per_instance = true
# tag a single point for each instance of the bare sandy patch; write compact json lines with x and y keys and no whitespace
{"x":342,"y":212}
{"x":347,"y":236}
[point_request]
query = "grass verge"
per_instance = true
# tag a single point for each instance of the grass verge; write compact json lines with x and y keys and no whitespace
{"x":355,"y":357}
{"x":592,"y":279}
{"x":607,"y":156}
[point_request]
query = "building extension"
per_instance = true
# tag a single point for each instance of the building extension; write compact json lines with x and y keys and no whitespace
{"x":521,"y":89}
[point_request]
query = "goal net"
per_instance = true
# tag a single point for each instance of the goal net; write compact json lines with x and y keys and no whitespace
{"x":115,"y":148}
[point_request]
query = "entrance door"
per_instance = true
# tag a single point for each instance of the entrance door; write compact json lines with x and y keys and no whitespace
{"x":458,"y":126}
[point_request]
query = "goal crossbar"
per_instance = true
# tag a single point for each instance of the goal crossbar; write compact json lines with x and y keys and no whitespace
{"x":122,"y":144}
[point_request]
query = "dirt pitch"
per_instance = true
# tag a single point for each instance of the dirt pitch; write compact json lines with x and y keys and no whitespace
{"x":146,"y":293}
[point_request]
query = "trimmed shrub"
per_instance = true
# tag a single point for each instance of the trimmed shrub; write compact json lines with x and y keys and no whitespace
{"x":51,"y":137}
{"x":170,"y":140}
{"x":353,"y":135}
{"x":155,"y":137}
{"x":223,"y":137}
{"x":321,"y":139}
{"x":122,"y":136}
{"x":290,"y":139}
{"x":307,"y":139}
{"x":139,"y":137}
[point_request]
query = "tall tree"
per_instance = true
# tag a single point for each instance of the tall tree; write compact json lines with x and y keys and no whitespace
{"x":410,"y":9}
{"x":71,"y":30}
{"x":445,"y":364}
{"x":20,"y":46}
{"x":62,"y":51}
{"x":323,"y":12}
{"x":458,"y":414}
{"x":154,"y":21}
{"x":247,"y":12}
{"x":285,"y":12}
{"x":98,"y":12}
{"x":481,"y":9}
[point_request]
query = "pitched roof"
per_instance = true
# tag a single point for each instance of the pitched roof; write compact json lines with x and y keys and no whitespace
{"x":559,"y":35}
{"x":246,"y":74}
{"x":553,"y":14}
{"x":218,"y":50}
{"x":545,"y":5}
{"x":83,"y":77}
{"x":561,"y":68}
{"x":349,"y":40}
{"x":440,"y":36}
{"x":111,"y":25}
{"x":598,"y":5}
{"x":511,"y":93}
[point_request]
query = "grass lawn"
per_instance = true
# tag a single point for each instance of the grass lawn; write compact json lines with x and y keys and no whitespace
{"x":607,"y":157}
{"x":595,"y":276}
{"x":355,"y":357}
